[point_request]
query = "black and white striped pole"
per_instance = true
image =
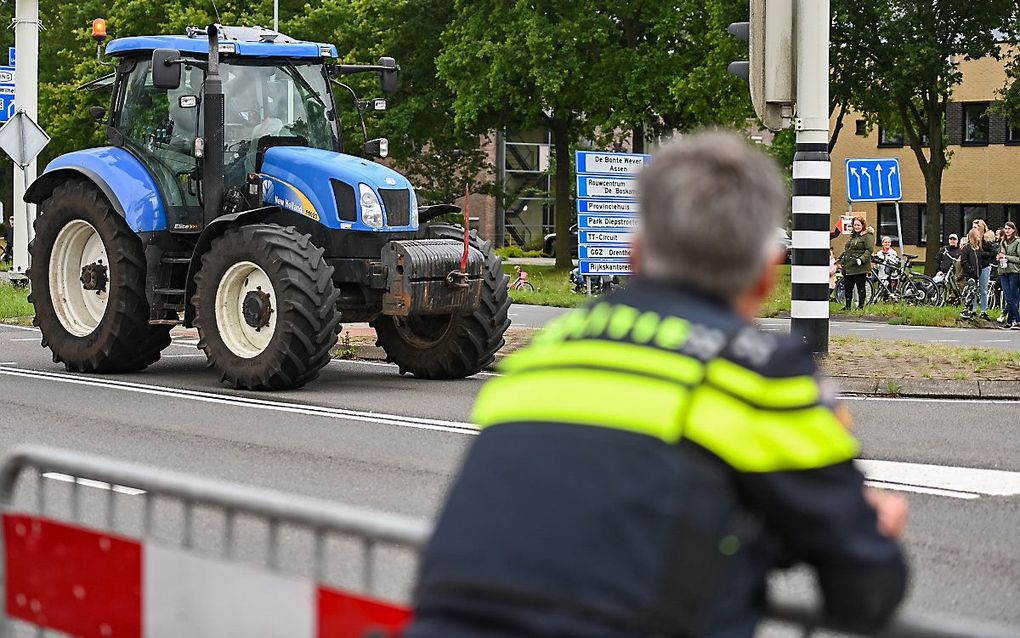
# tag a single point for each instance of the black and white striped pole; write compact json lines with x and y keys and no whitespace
{"x":809,"y":305}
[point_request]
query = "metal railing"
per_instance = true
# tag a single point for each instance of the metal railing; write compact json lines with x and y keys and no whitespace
{"x":326,"y":518}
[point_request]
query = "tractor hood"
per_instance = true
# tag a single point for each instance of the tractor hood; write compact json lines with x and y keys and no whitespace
{"x":339,"y":191}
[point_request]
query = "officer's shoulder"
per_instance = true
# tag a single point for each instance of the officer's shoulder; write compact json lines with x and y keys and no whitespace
{"x":770,"y":355}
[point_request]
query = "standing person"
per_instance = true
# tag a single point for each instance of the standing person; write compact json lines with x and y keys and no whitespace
{"x":887,"y":258}
{"x":1008,"y":260}
{"x":986,"y":255}
{"x":972,"y":260}
{"x":833,"y":269}
{"x":947,"y":257}
{"x":9,"y":240}
{"x":856,"y":262}
{"x":668,"y":455}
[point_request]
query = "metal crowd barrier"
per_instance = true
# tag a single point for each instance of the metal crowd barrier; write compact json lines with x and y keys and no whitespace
{"x":322,"y":518}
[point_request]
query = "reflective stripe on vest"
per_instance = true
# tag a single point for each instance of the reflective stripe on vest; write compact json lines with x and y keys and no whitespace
{"x":753,"y":422}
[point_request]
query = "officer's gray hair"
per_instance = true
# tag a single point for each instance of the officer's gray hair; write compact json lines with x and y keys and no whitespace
{"x":710,"y":209}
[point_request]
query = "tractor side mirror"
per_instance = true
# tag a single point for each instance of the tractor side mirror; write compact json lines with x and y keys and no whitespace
{"x":389,"y":77}
{"x":379,"y":147}
{"x":97,"y":112}
{"x":166,"y":69}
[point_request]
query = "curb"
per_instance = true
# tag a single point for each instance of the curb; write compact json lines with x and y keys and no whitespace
{"x":927,"y":388}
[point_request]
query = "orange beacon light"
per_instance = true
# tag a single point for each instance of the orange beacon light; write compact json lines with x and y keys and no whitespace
{"x":99,"y":29}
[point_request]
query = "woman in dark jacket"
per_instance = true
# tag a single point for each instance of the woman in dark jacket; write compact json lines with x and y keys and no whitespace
{"x":856,"y":262}
{"x":975,"y":257}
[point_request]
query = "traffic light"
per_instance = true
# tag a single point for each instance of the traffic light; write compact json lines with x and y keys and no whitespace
{"x":770,"y":68}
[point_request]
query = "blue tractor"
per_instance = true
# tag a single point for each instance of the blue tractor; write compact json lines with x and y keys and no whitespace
{"x":225,"y":201}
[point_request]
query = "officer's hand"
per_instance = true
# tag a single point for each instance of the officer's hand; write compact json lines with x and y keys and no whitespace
{"x":891,"y":509}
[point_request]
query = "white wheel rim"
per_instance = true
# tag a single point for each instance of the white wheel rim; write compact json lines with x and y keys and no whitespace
{"x":238,"y":335}
{"x":77,"y":246}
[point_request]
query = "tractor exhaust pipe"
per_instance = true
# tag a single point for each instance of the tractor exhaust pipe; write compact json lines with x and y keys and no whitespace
{"x":212,"y":164}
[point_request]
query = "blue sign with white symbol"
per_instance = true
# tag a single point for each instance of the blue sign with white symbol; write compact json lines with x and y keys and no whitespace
{"x":598,"y":187}
{"x":873,"y":180}
{"x":10,"y":55}
{"x":598,"y":163}
{"x":7,"y":109}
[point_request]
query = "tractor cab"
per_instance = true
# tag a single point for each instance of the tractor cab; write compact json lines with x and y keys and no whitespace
{"x":276,"y":92}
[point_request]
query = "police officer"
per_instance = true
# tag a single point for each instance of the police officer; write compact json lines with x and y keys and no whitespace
{"x":649,"y":459}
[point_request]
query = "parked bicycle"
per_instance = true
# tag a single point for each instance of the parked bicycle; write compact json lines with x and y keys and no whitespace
{"x":521,"y":282}
{"x":899,"y":282}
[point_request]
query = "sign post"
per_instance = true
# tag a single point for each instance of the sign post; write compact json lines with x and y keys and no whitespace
{"x":607,"y":211}
{"x":26,"y":41}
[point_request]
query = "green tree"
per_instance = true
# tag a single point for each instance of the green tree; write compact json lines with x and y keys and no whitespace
{"x":668,"y":68}
{"x":899,"y":61}
{"x":525,"y":65}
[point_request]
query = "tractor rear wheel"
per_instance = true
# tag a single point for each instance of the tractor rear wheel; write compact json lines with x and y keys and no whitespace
{"x":88,"y":285}
{"x":265,"y":307}
{"x":451,"y":346}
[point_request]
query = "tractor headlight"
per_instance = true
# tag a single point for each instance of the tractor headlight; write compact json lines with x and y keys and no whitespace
{"x":371,"y":209}
{"x":414,"y":208}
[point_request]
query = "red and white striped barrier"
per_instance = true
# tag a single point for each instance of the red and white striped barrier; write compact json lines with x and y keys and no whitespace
{"x":95,"y":584}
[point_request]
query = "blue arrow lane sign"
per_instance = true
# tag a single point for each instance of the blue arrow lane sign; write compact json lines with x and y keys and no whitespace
{"x":593,"y":187}
{"x":873,"y":180}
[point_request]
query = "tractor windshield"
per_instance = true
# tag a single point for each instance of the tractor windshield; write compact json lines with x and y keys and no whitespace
{"x":277,"y":99}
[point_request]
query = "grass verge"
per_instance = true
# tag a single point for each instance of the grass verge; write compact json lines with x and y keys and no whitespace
{"x":884,"y":359}
{"x":14,"y":306}
{"x":552,"y":287}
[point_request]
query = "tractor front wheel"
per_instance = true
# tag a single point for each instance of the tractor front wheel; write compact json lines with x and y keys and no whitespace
{"x":451,"y":346}
{"x":265,"y":308}
{"x":88,"y":285}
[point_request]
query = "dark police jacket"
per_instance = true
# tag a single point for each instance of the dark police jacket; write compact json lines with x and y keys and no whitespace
{"x":642,"y":466}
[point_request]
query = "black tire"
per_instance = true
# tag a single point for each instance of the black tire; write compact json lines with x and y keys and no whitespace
{"x":457,"y":346}
{"x":552,"y":248}
{"x":123,"y":340}
{"x":306,"y":320}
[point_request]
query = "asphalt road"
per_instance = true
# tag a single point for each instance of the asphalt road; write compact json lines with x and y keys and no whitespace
{"x":365,"y":436}
{"x":536,"y":316}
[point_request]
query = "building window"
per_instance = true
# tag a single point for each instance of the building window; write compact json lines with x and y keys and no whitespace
{"x":975,"y":123}
{"x":862,"y":127}
{"x":1013,"y":133}
{"x":887,"y":223}
{"x":888,"y":138}
{"x":922,"y":224}
{"x":1013,"y":213}
{"x":970,"y":213}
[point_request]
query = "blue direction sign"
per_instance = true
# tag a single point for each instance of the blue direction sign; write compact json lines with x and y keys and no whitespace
{"x":606,"y":222}
{"x":873,"y":180}
{"x":607,"y":207}
{"x":604,"y":252}
{"x":598,"y":187}
{"x":603,"y":237}
{"x":598,"y":163}
{"x":10,"y":55}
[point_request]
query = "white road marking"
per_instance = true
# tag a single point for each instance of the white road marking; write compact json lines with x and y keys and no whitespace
{"x":943,"y":477}
{"x":8,"y":363}
{"x":945,"y":340}
{"x":25,"y":339}
{"x":65,"y":478}
{"x":848,"y":397}
{"x":861,"y":329}
{"x":995,"y":341}
{"x":899,"y":487}
{"x":247,"y":402}
{"x":17,"y":327}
